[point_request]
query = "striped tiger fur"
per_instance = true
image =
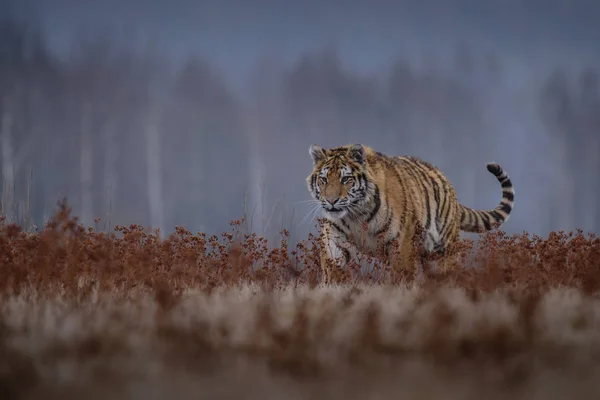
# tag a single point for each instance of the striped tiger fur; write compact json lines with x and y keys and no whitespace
{"x":371,"y":199}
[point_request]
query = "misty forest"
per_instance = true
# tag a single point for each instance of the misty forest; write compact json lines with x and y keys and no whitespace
{"x":127,"y":134}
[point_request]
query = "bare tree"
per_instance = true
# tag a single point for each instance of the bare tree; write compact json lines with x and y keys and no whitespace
{"x":8,"y":173}
{"x":24,"y":62}
{"x":154,"y":163}
{"x":86,"y":164}
{"x":557,"y":113}
{"x":256,"y":174}
{"x":107,"y":83}
{"x":122,"y":98}
{"x":587,"y":178}
{"x":260,"y":116}
{"x":110,"y":170}
{"x":206,"y":144}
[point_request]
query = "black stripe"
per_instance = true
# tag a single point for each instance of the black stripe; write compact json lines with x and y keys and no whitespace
{"x":485,"y":217}
{"x":377,"y":200}
{"x":497,"y":216}
{"x":439,"y":249}
{"x":418,"y":169}
{"x":495,"y":169}
{"x":478,"y":220}
{"x":345,"y":224}
{"x":510,"y":196}
{"x":505,"y":207}
{"x":387,"y":224}
{"x":444,"y":214}
{"x":401,"y":182}
{"x":507,"y":184}
{"x":362,"y":183}
{"x":346,"y":254}
{"x":443,"y":207}
{"x":437,"y":184}
{"x":340,"y":230}
{"x":388,"y":244}
{"x":430,"y":237}
{"x":463,"y":215}
{"x":410,"y":171}
{"x":436,"y":196}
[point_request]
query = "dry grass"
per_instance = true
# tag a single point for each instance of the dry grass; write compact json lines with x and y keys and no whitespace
{"x":126,"y":315}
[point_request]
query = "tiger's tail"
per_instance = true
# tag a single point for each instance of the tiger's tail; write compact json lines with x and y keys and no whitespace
{"x":486,"y":220}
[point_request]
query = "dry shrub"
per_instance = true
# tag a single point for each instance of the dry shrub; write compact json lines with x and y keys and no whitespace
{"x":68,"y":258}
{"x":81,"y":309}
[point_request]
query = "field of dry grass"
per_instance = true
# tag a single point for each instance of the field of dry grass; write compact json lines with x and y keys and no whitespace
{"x":126,"y":315}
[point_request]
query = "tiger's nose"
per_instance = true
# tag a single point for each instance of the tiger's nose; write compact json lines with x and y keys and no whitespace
{"x":332,"y":200}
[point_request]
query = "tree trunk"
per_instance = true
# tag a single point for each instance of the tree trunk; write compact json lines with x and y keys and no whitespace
{"x":8,"y":173}
{"x":153,"y":168}
{"x":590,"y":180}
{"x":110,"y":173}
{"x":86,"y":164}
{"x":256,"y":177}
{"x":566,"y":204}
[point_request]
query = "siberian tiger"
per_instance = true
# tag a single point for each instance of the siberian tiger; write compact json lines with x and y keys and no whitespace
{"x":370,"y":199}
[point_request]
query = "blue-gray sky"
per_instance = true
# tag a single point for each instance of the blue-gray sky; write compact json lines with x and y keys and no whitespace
{"x":530,"y":39}
{"x":234,"y":32}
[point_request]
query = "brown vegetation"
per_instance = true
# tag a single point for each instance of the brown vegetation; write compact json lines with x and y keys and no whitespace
{"x":128,"y":315}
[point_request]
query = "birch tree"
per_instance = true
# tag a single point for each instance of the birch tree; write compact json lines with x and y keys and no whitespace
{"x":256,"y":175}
{"x":259,"y":115}
{"x":23,"y":61}
{"x":122,"y":99}
{"x":102,"y":84}
{"x":556,"y":111}
{"x":11,"y":39}
{"x":154,"y":163}
{"x":86,"y":164}
{"x":110,"y":175}
{"x":8,"y":173}
{"x":206,"y":149}
{"x":587,"y":178}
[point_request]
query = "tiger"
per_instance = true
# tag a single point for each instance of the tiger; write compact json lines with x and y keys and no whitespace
{"x":370,"y":199}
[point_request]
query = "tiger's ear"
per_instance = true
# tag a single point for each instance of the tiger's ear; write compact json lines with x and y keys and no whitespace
{"x":316,"y":153}
{"x":357,"y":153}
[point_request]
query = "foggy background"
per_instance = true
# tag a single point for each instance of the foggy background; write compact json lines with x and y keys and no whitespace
{"x":196,"y":113}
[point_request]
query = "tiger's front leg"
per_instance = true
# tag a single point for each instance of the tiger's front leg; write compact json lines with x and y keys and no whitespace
{"x":336,"y":253}
{"x":405,"y":253}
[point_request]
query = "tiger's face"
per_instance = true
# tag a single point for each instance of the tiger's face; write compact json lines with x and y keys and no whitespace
{"x":338,"y":180}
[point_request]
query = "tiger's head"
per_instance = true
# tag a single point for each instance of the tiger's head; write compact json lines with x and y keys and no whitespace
{"x":340,"y":179}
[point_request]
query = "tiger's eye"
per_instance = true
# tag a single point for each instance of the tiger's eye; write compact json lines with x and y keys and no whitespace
{"x":347,"y":179}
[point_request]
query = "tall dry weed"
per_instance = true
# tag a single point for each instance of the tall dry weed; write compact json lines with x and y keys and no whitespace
{"x":83,"y":310}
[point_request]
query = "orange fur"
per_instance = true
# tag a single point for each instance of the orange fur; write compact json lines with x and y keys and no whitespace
{"x":371,"y":199}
